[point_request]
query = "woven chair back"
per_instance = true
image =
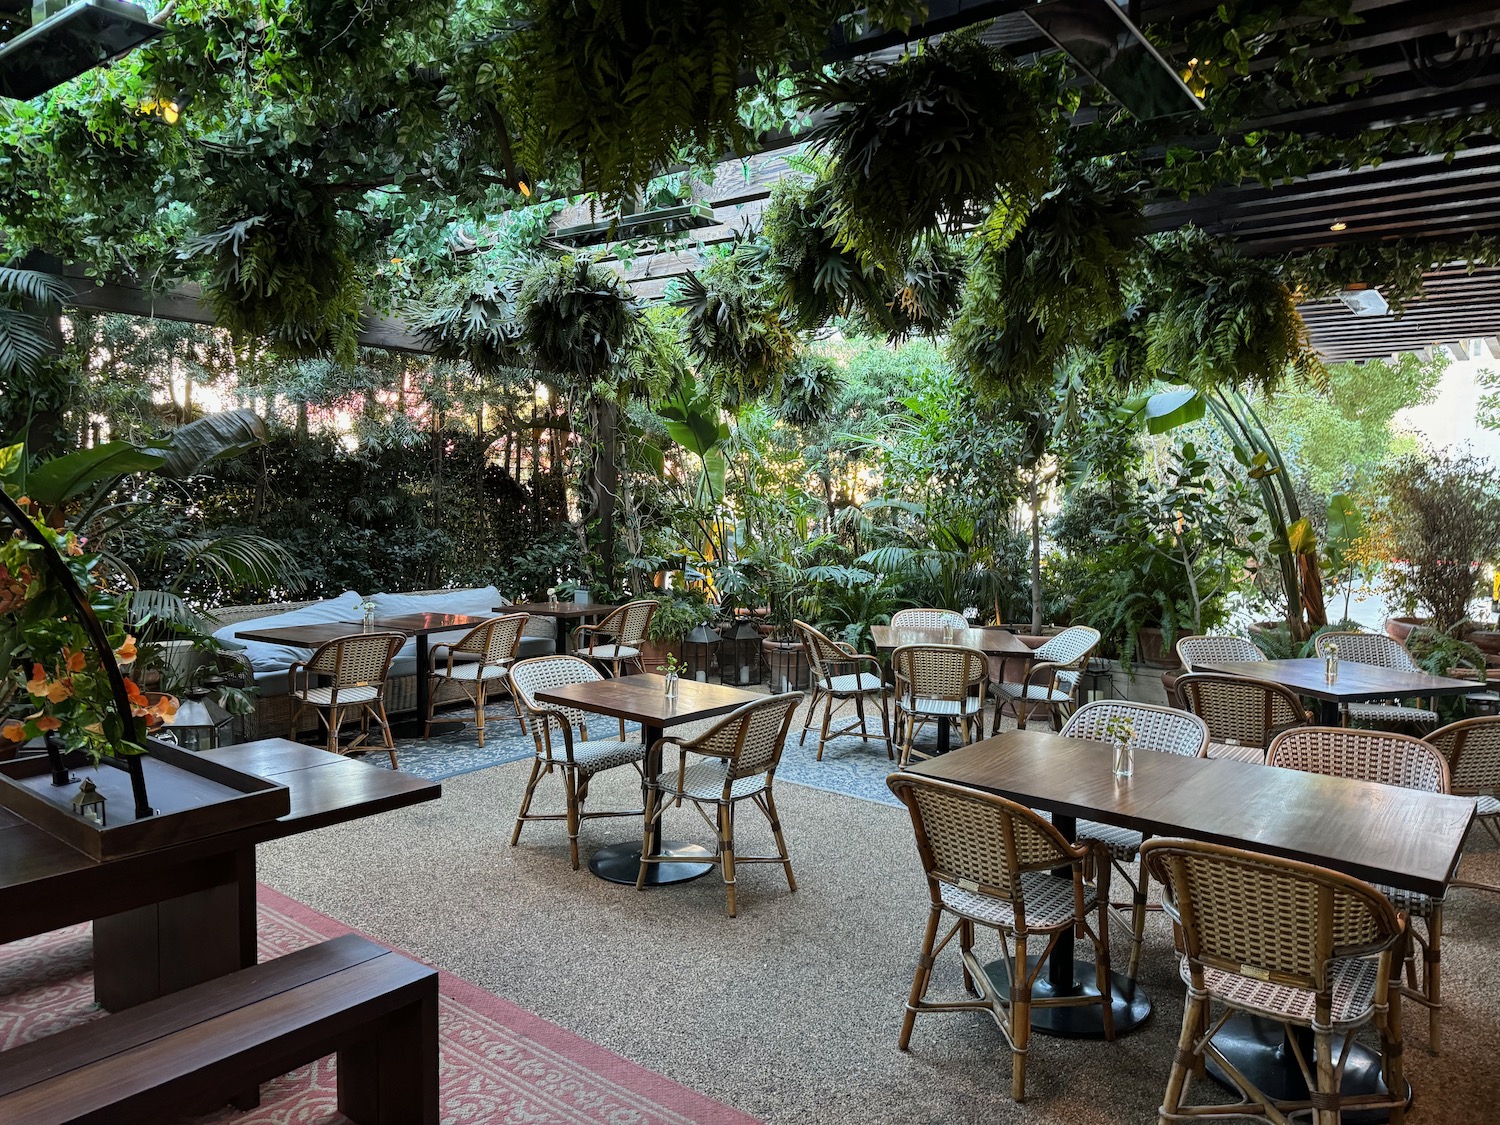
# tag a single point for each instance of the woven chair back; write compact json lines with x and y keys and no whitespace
{"x":496,"y":640}
{"x":978,"y":841}
{"x":1368,"y":648}
{"x":750,"y":738}
{"x":1195,"y":651}
{"x":825,"y":656}
{"x":1156,"y":728}
{"x":938,"y":672}
{"x":928,"y":619}
{"x":1364,"y":755}
{"x":1248,"y":712}
{"x":1471,"y":748}
{"x":627,"y":624}
{"x":1259,"y":916}
{"x":1070,"y":649}
{"x":527,"y":677}
{"x":358,"y":660}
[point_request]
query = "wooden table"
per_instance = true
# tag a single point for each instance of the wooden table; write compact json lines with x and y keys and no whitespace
{"x":421,"y":625}
{"x":561,"y":612}
{"x":300,"y":636}
{"x":641,"y":699}
{"x":1401,"y":837}
{"x":177,"y":916}
{"x":1356,"y":683}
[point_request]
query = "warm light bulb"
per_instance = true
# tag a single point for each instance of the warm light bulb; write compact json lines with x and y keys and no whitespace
{"x":1338,"y":226}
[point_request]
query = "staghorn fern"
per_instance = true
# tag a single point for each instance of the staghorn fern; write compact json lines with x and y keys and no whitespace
{"x":734,"y":331}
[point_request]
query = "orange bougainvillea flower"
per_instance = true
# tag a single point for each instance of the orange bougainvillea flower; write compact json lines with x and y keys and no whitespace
{"x":134,"y":693}
{"x":74,"y":548}
{"x":48,"y":722}
{"x":75,"y":661}
{"x":126,"y":652}
{"x":12,"y":731}
{"x":37,"y":685}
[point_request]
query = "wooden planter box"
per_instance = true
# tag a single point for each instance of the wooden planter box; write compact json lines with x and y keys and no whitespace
{"x":193,"y":797}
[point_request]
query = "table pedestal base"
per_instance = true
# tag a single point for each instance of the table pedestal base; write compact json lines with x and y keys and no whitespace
{"x":1083,"y":1021}
{"x":1258,"y":1048}
{"x":620,"y":863}
{"x":417,"y":728}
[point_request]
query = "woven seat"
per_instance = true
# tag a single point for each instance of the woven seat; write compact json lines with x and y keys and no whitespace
{"x":990,"y":862}
{"x":840,"y":675}
{"x":560,"y":736}
{"x":928,"y":619}
{"x":1242,"y":715}
{"x":1053,"y":679}
{"x":474,"y":663}
{"x":1471,"y":747}
{"x":737,"y":760}
{"x":1160,"y":729}
{"x":1390,"y":759}
{"x":1383,"y":652}
{"x":1289,"y":941}
{"x":355,"y":668}
{"x":612,"y":653}
{"x":937,"y":683}
{"x":618,"y":639}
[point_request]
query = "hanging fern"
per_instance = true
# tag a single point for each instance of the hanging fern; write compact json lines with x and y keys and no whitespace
{"x":928,"y":144}
{"x":734,"y":331}
{"x":577,"y":319}
{"x":479,"y":327}
{"x":809,"y":390}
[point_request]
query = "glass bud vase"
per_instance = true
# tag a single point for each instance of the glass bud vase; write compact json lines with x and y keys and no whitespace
{"x":669,"y":685}
{"x":1124,"y":758}
{"x":1331,"y":666}
{"x":369,"y":619}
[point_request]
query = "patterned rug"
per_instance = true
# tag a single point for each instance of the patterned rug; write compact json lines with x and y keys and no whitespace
{"x":499,"y":1062}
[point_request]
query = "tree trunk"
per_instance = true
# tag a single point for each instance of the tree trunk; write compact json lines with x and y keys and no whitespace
{"x":1036,"y":556}
{"x":605,"y":485}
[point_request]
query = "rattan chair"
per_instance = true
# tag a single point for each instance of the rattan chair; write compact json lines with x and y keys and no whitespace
{"x":1243,"y":716}
{"x":625,"y":630}
{"x":1390,"y":759}
{"x":1164,"y":730}
{"x":1052,"y":681}
{"x":475,"y":664}
{"x":1471,"y":747}
{"x":937,"y":683}
{"x":737,"y":760}
{"x":1383,"y":652}
{"x":992,"y":862}
{"x":841,"y":675}
{"x":928,"y":619}
{"x":354,"y":669}
{"x":561,"y":737}
{"x":1287,"y":941}
{"x":1194,"y":652}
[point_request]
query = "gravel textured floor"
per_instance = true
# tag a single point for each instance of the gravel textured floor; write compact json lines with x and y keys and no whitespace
{"x":791,"y":1010}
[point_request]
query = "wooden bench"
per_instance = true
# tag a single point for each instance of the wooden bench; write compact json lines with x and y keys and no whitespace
{"x":195,"y":1050}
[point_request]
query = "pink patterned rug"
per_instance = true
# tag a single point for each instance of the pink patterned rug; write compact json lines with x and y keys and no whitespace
{"x":500,"y":1063}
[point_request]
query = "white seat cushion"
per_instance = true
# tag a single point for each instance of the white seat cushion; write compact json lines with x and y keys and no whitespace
{"x":1049,"y":902}
{"x":1412,"y":902}
{"x":704,"y":780}
{"x":323,"y":696}
{"x":1354,"y":981}
{"x":1236,"y":752}
{"x":1389,"y":713}
{"x":1488,"y":805}
{"x":610,"y":652}
{"x":943,"y":708}
{"x":468,"y":673}
{"x":1124,"y":844}
{"x":1039,"y":693}
{"x":599,"y":753}
{"x":855,"y":683}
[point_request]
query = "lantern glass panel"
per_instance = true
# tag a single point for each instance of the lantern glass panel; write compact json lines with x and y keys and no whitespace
{"x":739,"y":656}
{"x":700,"y":652}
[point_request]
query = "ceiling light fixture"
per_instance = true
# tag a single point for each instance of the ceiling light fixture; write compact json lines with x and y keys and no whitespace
{"x":1364,"y":300}
{"x":64,"y":42}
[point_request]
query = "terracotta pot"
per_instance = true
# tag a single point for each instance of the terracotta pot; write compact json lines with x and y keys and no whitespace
{"x":786,"y":665}
{"x":1151,"y":648}
{"x":654,"y":653}
{"x":1399,"y":628}
{"x":1486,"y":640}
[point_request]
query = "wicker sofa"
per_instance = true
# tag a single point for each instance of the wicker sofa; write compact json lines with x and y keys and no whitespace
{"x":264,"y":666}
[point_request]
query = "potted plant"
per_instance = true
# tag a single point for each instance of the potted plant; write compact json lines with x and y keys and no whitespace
{"x":678,"y":613}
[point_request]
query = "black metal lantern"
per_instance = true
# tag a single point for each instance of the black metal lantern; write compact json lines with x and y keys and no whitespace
{"x":699,"y":652}
{"x":739,"y":655}
{"x":786,"y":664}
{"x":200,"y":723}
{"x":89,"y":802}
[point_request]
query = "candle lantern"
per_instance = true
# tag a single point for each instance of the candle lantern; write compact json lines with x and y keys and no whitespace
{"x":699,"y":651}
{"x":89,"y":802}
{"x":201,"y":723}
{"x":739,"y":655}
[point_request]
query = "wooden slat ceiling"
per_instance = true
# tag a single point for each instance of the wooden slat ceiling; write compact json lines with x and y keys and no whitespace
{"x":1457,"y":306}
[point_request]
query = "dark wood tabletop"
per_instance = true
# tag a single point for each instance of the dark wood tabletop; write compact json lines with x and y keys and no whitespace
{"x":565,"y":610}
{"x":1381,"y":833}
{"x":642,"y":699}
{"x":421,"y":624}
{"x":300,"y":636}
{"x":1356,"y":682}
{"x":991,"y":641}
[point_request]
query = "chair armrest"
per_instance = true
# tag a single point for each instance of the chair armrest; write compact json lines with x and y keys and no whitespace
{"x":291,"y":675}
{"x":593,"y":632}
{"x":432,"y":656}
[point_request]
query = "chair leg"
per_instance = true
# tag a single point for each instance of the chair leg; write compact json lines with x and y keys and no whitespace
{"x":812,"y":705}
{"x":920,"y":979}
{"x":479,"y":712}
{"x":726,"y":850}
{"x":1432,"y":978}
{"x":827,"y":721}
{"x":1391,"y":1053}
{"x":651,"y":814}
{"x":1138,"y":921}
{"x":1323,"y":1049}
{"x":769,"y":808}
{"x":885,"y":726}
{"x":1177,"y":1078}
{"x":570,"y":785}
{"x":536,"y":776}
{"x":432,"y":685}
{"x":1020,"y":1020}
{"x":385,"y":730}
{"x":335,"y":721}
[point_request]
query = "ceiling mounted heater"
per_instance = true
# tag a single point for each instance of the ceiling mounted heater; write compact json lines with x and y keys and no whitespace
{"x":65,"y":40}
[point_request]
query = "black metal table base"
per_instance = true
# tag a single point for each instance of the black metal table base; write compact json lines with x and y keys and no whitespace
{"x":1258,"y":1048}
{"x":619,"y":863}
{"x":1131,"y":1005}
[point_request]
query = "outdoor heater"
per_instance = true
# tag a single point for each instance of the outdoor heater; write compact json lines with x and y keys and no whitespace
{"x":65,"y":39}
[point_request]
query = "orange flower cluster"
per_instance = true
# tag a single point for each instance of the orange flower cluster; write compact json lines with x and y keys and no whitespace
{"x":13,"y":587}
{"x":162,"y":709}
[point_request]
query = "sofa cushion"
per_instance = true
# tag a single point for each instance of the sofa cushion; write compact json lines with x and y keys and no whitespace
{"x":270,"y":661}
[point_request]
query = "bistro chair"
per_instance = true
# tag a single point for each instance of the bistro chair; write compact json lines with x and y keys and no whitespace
{"x":1164,"y":730}
{"x":1471,"y":747}
{"x":937,"y":683}
{"x":839,"y":675}
{"x":992,"y":862}
{"x":736,"y":761}
{"x":1287,"y":941}
{"x":562,"y":742}
{"x":1242,"y":715}
{"x":1052,"y":682}
{"x":354,"y":670}
{"x":480,"y":660}
{"x":928,"y":619}
{"x":624,"y":632}
{"x":1390,"y":759}
{"x":1383,"y":652}
{"x":1192,"y":652}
